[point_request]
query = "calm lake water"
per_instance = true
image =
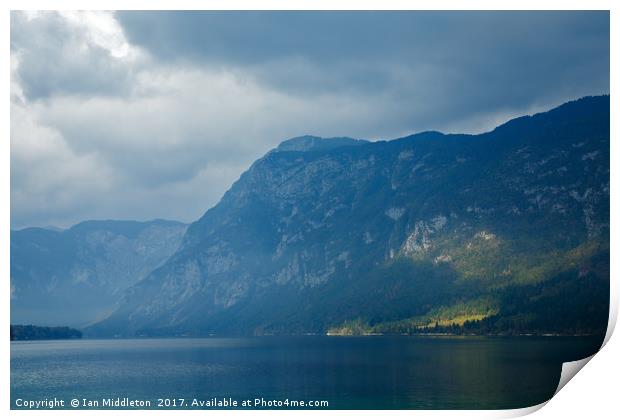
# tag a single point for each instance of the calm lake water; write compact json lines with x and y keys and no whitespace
{"x":378,"y":372}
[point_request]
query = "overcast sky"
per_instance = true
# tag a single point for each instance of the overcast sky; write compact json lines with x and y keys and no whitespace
{"x":142,"y":115}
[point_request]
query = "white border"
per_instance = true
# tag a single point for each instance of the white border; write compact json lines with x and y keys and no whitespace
{"x":593,"y":394}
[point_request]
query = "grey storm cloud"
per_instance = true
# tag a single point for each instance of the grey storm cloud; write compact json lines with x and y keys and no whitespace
{"x":139,"y":115}
{"x":453,"y":62}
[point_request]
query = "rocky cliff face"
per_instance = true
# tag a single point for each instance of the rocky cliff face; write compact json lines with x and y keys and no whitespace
{"x":77,"y":276}
{"x":316,"y":233}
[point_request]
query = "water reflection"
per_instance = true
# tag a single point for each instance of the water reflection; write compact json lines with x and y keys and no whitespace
{"x":349,"y":372}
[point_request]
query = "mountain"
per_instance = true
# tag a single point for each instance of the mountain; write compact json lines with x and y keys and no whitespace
{"x":313,"y":143}
{"x":505,"y":232}
{"x":77,"y":276}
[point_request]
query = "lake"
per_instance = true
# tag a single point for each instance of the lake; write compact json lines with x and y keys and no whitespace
{"x":375,"y":372}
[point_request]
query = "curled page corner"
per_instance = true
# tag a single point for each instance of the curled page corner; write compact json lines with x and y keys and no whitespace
{"x":569,"y":370}
{"x":520,"y":412}
{"x":613,"y":315}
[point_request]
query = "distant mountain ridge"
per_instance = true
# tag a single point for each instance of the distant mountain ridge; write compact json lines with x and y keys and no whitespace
{"x":506,"y":231}
{"x":313,"y":143}
{"x":77,"y":276}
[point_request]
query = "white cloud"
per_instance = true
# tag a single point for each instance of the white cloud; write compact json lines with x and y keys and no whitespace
{"x":100,"y":28}
{"x":79,"y":53}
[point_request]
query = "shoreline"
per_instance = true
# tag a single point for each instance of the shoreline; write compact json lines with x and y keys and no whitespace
{"x":429,"y":335}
